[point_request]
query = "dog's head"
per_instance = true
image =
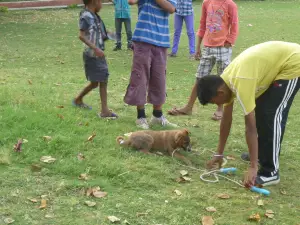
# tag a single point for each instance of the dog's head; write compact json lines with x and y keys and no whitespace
{"x":183,"y":140}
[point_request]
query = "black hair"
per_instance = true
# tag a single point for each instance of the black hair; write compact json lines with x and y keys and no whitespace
{"x":207,"y":88}
{"x":86,"y":2}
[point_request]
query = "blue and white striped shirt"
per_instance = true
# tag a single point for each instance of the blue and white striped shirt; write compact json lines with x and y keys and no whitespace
{"x":184,"y":7}
{"x":153,"y":24}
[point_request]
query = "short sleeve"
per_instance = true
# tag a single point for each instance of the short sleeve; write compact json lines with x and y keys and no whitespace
{"x":84,"y":23}
{"x":244,"y":90}
{"x":173,"y":2}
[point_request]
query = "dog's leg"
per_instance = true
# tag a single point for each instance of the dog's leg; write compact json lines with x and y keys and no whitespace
{"x":146,"y":151}
{"x":181,"y":157}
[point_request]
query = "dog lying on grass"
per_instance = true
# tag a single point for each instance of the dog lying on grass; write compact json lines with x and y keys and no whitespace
{"x":167,"y":141}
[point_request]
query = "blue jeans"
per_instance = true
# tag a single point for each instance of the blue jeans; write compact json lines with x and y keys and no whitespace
{"x":189,"y":23}
{"x":118,"y":25}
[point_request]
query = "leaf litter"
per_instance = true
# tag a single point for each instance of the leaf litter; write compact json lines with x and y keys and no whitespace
{"x":95,"y":192}
{"x":207,"y":220}
{"x":47,"y":159}
{"x":113,"y":219}
{"x":211,"y":209}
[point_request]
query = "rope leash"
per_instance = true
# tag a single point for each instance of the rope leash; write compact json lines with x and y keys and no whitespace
{"x":216,"y":176}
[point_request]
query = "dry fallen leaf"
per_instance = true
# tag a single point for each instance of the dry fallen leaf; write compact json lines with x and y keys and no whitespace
{"x":83,"y":176}
{"x":48,"y":216}
{"x":29,"y":82}
{"x":17,"y":147}
{"x":57,"y":84}
{"x":141,"y":214}
{"x":99,"y":194}
{"x":47,"y":159}
{"x":89,"y":191}
{"x":36,"y":167}
{"x":223,"y":196}
{"x":90,"y":138}
{"x":126,"y":222}
{"x":113,"y":219}
{"x":8,"y":220}
{"x":43,"y":204}
{"x":25,"y":141}
{"x":32,"y":200}
{"x":47,"y":138}
{"x":207,"y":220}
{"x":185,"y":70}
{"x":125,"y":79}
{"x":80,"y":156}
{"x":230,"y":157}
{"x":90,"y":203}
{"x":60,"y":106}
{"x":260,"y":202}
{"x":211,"y":209}
{"x":186,"y":178}
{"x":283,"y":192}
{"x":60,"y":116}
{"x":183,"y":172}
{"x":254,"y":217}
{"x":249,"y":25}
{"x":177,"y":192}
{"x":270,"y":216}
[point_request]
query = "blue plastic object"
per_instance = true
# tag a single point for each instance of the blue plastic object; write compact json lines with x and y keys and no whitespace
{"x":260,"y":190}
{"x":227,"y":170}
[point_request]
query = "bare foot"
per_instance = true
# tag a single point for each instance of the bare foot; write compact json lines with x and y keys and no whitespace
{"x":217,"y":115}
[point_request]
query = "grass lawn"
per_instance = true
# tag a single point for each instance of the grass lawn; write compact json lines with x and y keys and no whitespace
{"x":41,"y":68}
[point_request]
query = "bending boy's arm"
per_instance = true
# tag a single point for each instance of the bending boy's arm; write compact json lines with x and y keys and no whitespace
{"x":166,"y":5}
{"x":225,"y":127}
{"x":251,"y":137}
{"x":234,"y":24}
{"x":132,"y":2}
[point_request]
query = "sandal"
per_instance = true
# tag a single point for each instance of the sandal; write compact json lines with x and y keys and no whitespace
{"x":216,"y":117}
{"x":81,"y":105}
{"x":177,"y":112}
{"x":112,"y":116}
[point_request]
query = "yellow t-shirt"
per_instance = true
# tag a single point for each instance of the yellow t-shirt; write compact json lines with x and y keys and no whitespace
{"x":251,"y":73}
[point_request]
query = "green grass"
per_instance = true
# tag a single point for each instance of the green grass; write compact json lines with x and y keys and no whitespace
{"x":42,"y":46}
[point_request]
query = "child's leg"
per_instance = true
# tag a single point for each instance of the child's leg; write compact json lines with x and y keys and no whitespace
{"x":271,"y":114}
{"x":178,"y":28}
{"x":118,"y":26}
{"x":103,"y":96}
{"x":189,"y":23}
{"x":128,"y":32}
{"x":206,"y":64}
{"x":139,"y":79}
{"x":85,"y":91}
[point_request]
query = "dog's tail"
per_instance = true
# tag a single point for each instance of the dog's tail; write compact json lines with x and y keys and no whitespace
{"x":121,"y":141}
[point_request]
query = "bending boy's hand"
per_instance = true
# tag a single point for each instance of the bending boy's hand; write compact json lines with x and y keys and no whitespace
{"x":99,"y":53}
{"x":214,"y":163}
{"x":250,"y":175}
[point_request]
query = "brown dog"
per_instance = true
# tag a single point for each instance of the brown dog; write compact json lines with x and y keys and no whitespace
{"x":167,"y":141}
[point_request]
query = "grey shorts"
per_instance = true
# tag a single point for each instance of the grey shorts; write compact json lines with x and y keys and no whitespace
{"x":148,"y":75}
{"x":96,"y":69}
{"x":212,"y":55}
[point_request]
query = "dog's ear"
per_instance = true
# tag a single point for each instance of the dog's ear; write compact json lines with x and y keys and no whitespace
{"x":186,"y":131}
{"x":179,"y":137}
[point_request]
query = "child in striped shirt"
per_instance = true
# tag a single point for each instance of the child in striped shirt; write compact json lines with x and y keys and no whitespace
{"x":148,"y":76}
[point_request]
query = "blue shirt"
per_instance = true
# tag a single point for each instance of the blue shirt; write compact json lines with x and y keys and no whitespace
{"x":153,"y":24}
{"x":184,"y":7}
{"x":122,"y":9}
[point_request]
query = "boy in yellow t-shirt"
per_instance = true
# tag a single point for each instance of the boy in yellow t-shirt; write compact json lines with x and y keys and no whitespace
{"x":264,"y":79}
